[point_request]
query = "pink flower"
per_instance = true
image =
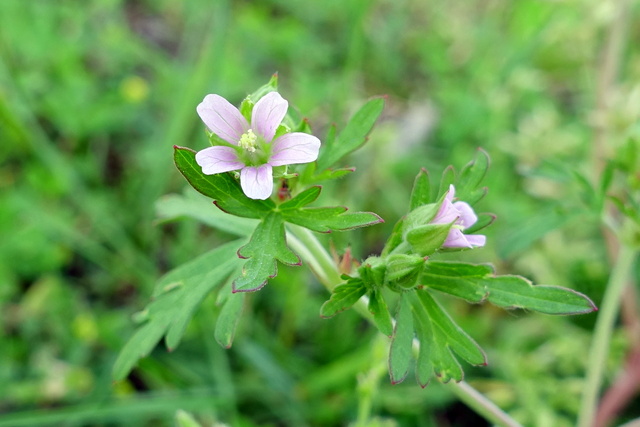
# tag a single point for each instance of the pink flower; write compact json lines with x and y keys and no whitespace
{"x":464,"y":217}
{"x":252,"y":148}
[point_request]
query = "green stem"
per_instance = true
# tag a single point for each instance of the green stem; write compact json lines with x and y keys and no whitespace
{"x":481,"y":405}
{"x":307,"y":246}
{"x":602,"y":334}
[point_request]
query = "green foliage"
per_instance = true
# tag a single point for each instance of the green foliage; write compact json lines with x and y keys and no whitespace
{"x":353,"y":135}
{"x":93,"y":98}
{"x":267,"y":245}
{"x":177,"y":295}
{"x":405,"y":268}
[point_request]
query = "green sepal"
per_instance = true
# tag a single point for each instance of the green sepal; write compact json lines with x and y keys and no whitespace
{"x":343,"y":297}
{"x":427,"y":239}
{"x":394,"y":240}
{"x":246,"y":108}
{"x":267,"y":245}
{"x":373,"y":271}
{"x":470,"y":178}
{"x":222,"y":187}
{"x":400,"y":353}
{"x":176,"y":297}
{"x":421,"y":192}
{"x":404,"y":270}
{"x":271,"y":86}
{"x":448,"y":178}
{"x":484,"y":220}
{"x":352,"y":136}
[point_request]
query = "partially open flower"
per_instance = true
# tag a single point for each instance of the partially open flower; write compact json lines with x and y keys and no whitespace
{"x":464,"y":217}
{"x":253,"y":148}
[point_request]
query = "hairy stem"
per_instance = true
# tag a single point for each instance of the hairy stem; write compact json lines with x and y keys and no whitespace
{"x":602,"y":335}
{"x":307,"y":246}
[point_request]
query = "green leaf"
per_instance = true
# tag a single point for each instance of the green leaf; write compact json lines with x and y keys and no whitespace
{"x":221,"y":187}
{"x":470,"y":178}
{"x":475,"y":283}
{"x":343,"y":297}
{"x":400,"y":353}
{"x":177,"y":295}
{"x":352,"y":136}
{"x":421,"y":193}
{"x":267,"y":245}
{"x":193,"y":205}
{"x":457,"y":279}
{"x":518,"y":292}
{"x":380,"y":311}
{"x":448,"y":178}
{"x":228,"y":319}
{"x":532,"y":228}
{"x":304,"y":198}
{"x":324,"y":219}
{"x":452,"y":334}
{"x":435,"y":351}
{"x":424,"y":335}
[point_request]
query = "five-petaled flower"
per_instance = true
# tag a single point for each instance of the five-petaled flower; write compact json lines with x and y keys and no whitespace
{"x":462,"y":216}
{"x":252,"y":148}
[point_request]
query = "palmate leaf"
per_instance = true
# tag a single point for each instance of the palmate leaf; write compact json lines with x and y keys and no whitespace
{"x":401,"y":350}
{"x":222,"y":187}
{"x":324,"y":219}
{"x":267,"y":245}
{"x":176,"y":297}
{"x":476,"y":283}
{"x":343,"y":297}
{"x":439,"y":338}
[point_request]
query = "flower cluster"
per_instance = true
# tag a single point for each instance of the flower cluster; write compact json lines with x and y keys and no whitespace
{"x":253,"y":148}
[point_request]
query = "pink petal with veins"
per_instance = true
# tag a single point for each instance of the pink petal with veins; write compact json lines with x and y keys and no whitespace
{"x":222,"y":118}
{"x":467,"y":215}
{"x":218,"y":159}
{"x":294,"y":148}
{"x":268,"y":114}
{"x":257,"y":182}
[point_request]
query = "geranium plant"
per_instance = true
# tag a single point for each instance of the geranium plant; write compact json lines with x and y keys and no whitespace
{"x":258,"y":144}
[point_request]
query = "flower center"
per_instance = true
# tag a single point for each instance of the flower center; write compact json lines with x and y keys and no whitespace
{"x":248,"y":141}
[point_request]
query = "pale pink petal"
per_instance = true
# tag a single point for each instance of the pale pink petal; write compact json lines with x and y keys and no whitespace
{"x":476,"y":239}
{"x":268,"y":114}
{"x":451,"y":193}
{"x":218,"y":159}
{"x":222,"y":118}
{"x":294,"y":148}
{"x":257,"y":182}
{"x":446,"y":214}
{"x":467,"y":216}
{"x":456,"y":239}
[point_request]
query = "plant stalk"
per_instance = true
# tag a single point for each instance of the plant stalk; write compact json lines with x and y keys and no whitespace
{"x":602,"y":334}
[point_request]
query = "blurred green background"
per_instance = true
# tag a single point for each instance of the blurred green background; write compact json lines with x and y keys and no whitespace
{"x":94,"y":94}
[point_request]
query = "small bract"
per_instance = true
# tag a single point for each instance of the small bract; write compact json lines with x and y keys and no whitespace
{"x":253,"y":148}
